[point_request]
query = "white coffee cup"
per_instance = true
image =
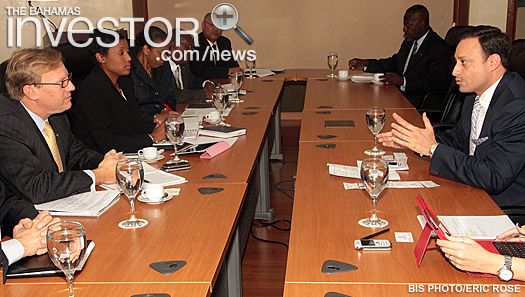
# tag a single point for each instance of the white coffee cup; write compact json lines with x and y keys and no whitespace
{"x":148,"y":153}
{"x":343,"y":74}
{"x":153,"y":192}
{"x":213,"y":116}
{"x":377,"y":79}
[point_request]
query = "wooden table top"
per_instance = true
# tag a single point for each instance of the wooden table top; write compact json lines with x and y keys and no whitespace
{"x":191,"y":227}
{"x":349,"y":95}
{"x":313,"y":124}
{"x":325,"y":215}
{"x":105,"y":289}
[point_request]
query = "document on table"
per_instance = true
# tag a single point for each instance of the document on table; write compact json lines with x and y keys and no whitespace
{"x":259,"y":72}
{"x":396,"y":185}
{"x":476,"y":227}
{"x":229,"y":88}
{"x":201,"y":112}
{"x":154,"y":176}
{"x":354,"y":172}
{"x":89,"y":204}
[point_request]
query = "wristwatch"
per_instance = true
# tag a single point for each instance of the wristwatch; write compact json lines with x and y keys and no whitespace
{"x":505,"y":273}
{"x":432,"y":149}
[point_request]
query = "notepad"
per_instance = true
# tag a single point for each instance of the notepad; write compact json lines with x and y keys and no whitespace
{"x":223,"y":131}
{"x":89,"y":204}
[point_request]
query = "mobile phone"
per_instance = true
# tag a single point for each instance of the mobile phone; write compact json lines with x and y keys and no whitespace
{"x":373,"y":244}
{"x":175,"y":167}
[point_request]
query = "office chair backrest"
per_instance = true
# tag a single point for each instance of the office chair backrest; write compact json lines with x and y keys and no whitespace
{"x":517,"y":57}
{"x":452,"y":37}
{"x":453,"y":105}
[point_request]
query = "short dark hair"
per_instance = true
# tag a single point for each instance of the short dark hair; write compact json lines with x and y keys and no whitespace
{"x":95,"y":47}
{"x":492,"y":41}
{"x":205,"y":16}
{"x":156,"y":34}
{"x":421,"y":10}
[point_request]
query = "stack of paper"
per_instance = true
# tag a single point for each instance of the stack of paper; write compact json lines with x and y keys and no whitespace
{"x":154,"y":176}
{"x":362,"y":78}
{"x":354,"y":172}
{"x":89,"y":204}
{"x":476,"y":227}
{"x":259,"y":72}
{"x":201,"y":112}
{"x":229,"y":88}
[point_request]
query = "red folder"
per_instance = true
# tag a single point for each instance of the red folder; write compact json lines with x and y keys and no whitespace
{"x":434,"y":224}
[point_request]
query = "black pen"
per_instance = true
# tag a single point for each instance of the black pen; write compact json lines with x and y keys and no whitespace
{"x":377,"y":233}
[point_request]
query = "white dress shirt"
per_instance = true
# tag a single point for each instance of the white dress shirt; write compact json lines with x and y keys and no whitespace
{"x":40,"y":123}
{"x":12,"y":249}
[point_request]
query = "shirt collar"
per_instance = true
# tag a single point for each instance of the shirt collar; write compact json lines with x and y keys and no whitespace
{"x":211,"y":43}
{"x":420,"y":40}
{"x":486,"y":97}
{"x":40,"y":123}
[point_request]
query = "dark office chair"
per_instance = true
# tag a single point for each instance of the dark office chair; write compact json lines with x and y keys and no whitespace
{"x":452,"y":109}
{"x":452,"y":37}
{"x":517,"y":57}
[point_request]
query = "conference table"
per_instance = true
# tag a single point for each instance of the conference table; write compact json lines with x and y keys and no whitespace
{"x":209,"y":232}
{"x":325,"y":215}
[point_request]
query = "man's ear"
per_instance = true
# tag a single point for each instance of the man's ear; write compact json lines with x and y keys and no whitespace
{"x":31,"y":92}
{"x":100,"y":58}
{"x":494,"y":61}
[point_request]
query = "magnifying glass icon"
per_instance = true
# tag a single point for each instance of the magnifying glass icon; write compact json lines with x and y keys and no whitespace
{"x":225,"y":17}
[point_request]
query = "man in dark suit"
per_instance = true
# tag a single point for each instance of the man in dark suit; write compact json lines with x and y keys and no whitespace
{"x":189,"y":88}
{"x":215,"y":53}
{"x":486,"y":149}
{"x":40,"y":160}
{"x":20,"y":220}
{"x":422,"y":63}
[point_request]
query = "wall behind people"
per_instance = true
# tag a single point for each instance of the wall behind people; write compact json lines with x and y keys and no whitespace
{"x":93,"y":10}
{"x":520,"y":23}
{"x":299,"y":33}
{"x":489,"y":12}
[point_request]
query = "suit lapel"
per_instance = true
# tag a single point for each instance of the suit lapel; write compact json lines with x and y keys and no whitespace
{"x":421,"y":51}
{"x":502,"y":86}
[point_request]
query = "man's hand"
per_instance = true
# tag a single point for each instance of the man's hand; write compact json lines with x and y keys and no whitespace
{"x":32,"y":233}
{"x":235,"y":69}
{"x":357,"y":64}
{"x":158,"y":133}
{"x":160,"y":117}
{"x":105,"y":172}
{"x":208,"y":89}
{"x":406,"y":135}
{"x":392,"y":78}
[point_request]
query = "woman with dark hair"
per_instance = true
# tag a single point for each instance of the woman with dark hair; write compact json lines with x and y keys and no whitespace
{"x":152,"y":78}
{"x":106,"y":114}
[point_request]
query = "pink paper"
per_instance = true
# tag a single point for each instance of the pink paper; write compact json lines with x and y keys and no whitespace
{"x":215,"y":150}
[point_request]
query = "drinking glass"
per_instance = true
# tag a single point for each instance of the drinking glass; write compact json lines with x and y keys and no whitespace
{"x":374,"y":175}
{"x":236,"y":80}
{"x":333,"y":59}
{"x":130,"y":177}
{"x":66,"y":245}
{"x":250,"y":64}
{"x":174,"y":127}
{"x":375,"y":120}
{"x":220,"y":100}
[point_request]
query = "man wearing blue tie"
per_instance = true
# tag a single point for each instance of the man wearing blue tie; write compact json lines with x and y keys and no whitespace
{"x":486,"y":149}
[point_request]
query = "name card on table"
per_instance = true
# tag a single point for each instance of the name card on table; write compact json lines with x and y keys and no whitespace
{"x":215,"y":150}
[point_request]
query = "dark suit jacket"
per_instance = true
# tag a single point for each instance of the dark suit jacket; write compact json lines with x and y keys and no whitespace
{"x":12,"y":210}
{"x":429,"y":70}
{"x":205,"y":67}
{"x":27,"y":167}
{"x":498,"y":164}
{"x":193,"y":91}
{"x":104,"y":120}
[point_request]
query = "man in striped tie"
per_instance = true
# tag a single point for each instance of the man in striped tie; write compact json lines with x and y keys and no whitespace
{"x":40,"y":159}
{"x":486,"y":149}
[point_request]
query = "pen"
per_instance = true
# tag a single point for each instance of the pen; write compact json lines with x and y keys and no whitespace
{"x":166,"y":105}
{"x":377,"y":233}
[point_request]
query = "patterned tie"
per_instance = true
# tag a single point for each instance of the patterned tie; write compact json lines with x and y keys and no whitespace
{"x":473,"y":124}
{"x":214,"y":53}
{"x":177,"y":77}
{"x":53,"y":147}
{"x":414,"y":49}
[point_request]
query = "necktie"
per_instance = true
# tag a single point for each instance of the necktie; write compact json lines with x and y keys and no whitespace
{"x":414,"y":49}
{"x":412,"y":54}
{"x":214,"y":53}
{"x":177,"y":77}
{"x":473,"y":124}
{"x":53,"y":147}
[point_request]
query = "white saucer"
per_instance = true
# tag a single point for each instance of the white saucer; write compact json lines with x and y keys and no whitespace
{"x":343,"y":79}
{"x":167,"y":197}
{"x":209,"y":121}
{"x":159,"y":157}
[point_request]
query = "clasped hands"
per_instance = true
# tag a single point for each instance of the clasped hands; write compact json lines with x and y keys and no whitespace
{"x":32,"y":233}
{"x":405,"y":135}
